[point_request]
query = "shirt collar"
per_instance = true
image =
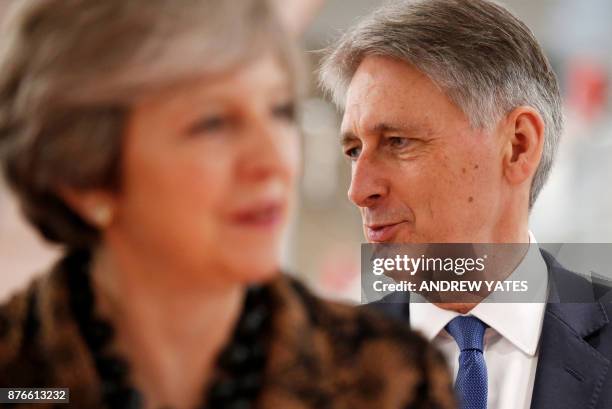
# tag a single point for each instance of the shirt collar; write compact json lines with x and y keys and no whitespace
{"x":519,"y":323}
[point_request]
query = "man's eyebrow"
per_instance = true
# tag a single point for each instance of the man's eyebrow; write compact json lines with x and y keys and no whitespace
{"x":384,"y":127}
{"x":379,"y":128}
{"x":405,"y":129}
{"x":347,"y":136}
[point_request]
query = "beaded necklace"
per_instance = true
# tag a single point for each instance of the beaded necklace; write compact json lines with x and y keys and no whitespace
{"x":240,"y":364}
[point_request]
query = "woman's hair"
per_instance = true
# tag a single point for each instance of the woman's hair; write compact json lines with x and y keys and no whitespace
{"x":71,"y":69}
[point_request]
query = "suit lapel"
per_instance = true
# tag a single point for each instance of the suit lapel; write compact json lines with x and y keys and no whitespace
{"x":570,"y":371}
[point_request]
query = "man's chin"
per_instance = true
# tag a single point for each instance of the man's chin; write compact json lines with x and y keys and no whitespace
{"x":460,"y":307}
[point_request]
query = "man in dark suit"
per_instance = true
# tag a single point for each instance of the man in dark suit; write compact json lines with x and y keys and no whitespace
{"x":452,"y":117}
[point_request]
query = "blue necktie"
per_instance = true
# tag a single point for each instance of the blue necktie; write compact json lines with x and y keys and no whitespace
{"x":471,"y":383}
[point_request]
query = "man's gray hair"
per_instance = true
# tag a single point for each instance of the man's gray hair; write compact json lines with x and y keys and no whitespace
{"x":486,"y":60}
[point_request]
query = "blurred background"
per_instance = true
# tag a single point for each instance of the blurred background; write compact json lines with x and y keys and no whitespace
{"x":324,"y":239}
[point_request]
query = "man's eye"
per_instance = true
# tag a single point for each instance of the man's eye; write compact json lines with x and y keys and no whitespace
{"x":209,"y":125}
{"x":398,"y":142}
{"x":353,"y":153}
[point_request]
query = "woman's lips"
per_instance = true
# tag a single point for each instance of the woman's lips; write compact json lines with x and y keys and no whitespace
{"x":383,"y":232}
{"x":265,"y":215}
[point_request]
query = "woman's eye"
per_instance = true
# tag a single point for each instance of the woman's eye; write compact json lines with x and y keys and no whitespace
{"x":285,"y":111}
{"x":209,"y":125}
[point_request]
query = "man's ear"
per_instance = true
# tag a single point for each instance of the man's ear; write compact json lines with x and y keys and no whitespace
{"x":524,"y":128}
{"x":95,"y":206}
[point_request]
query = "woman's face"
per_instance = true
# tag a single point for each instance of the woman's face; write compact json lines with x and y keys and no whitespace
{"x":208,"y":171}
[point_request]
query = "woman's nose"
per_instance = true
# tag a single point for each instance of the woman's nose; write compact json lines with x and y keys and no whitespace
{"x":272,"y":150}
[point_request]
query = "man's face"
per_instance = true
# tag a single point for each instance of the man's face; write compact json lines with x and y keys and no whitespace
{"x":420,"y":172}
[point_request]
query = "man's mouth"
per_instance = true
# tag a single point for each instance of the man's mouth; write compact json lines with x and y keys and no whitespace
{"x":381,"y":233}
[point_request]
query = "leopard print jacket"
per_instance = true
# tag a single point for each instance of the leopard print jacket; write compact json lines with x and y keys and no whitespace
{"x":322,"y":354}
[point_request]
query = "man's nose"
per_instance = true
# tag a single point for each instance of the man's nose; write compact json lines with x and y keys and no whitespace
{"x":368,"y":185}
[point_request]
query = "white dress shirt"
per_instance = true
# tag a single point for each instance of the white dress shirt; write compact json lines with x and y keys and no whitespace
{"x":510,"y":342}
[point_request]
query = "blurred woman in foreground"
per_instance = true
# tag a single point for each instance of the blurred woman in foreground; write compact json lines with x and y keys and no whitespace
{"x":157,"y":142}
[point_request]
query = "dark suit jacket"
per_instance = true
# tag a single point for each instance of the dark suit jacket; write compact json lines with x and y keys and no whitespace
{"x":574,"y":367}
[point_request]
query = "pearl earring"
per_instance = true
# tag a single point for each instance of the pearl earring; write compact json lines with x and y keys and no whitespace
{"x":102,"y":215}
